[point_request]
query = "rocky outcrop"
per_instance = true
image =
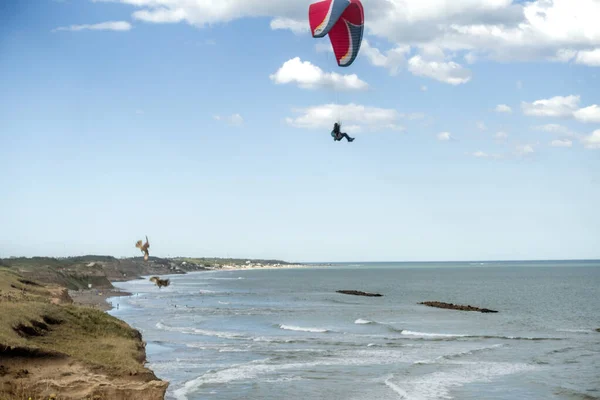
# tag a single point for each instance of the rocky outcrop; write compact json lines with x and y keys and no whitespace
{"x":359,"y":293}
{"x":459,"y":307}
{"x":598,"y":330}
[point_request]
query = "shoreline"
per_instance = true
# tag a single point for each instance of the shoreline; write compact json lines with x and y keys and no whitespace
{"x":98,"y":298}
{"x":259,"y":267}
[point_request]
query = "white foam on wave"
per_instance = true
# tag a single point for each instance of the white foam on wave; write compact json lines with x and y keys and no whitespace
{"x":203,"y":332}
{"x":205,"y":291}
{"x":361,"y":321}
{"x":438,"y":385}
{"x":459,"y":354}
{"x":576,"y":330}
{"x":255,"y":369}
{"x":427,"y":334}
{"x":300,"y":329}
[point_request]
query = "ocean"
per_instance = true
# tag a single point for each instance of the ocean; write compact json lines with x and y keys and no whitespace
{"x":287,"y":334}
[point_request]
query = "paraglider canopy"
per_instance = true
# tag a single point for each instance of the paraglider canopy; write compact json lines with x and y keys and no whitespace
{"x":343,"y":21}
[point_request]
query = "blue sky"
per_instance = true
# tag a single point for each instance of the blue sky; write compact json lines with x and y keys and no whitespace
{"x":208,"y":130}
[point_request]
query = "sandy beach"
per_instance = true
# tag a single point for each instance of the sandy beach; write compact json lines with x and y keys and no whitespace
{"x":243,"y":267}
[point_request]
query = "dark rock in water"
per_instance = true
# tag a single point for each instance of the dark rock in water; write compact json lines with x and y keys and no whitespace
{"x":598,"y":330}
{"x":359,"y":293}
{"x":451,"y":306}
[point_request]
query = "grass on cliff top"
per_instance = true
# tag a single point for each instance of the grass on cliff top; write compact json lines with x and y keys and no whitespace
{"x":30,"y":322}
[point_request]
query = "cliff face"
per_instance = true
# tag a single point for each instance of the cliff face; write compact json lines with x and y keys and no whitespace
{"x":99,"y":271}
{"x":48,"y":346}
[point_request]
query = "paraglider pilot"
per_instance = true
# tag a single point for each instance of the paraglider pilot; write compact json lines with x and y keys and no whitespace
{"x":337,"y":135}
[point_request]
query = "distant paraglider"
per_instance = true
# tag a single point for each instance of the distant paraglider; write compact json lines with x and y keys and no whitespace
{"x":343,"y":21}
{"x":143,"y":248}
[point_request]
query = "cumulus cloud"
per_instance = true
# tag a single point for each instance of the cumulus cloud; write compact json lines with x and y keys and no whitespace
{"x":103,"y":26}
{"x":501,"y":135}
{"x":562,"y":107}
{"x":557,"y":106}
{"x":589,"y":57}
{"x":309,"y":76}
{"x":355,"y":117}
{"x":588,"y":114}
{"x":483,"y":154}
{"x":552,"y":128}
{"x":297,"y":27}
{"x":503,"y":108}
{"x":233,"y":119}
{"x":480,"y":154}
{"x":392,"y":60}
{"x":552,"y":30}
{"x":447,"y":72}
{"x":524,"y":149}
{"x":444,"y":136}
{"x":561,"y":143}
{"x":592,"y":141}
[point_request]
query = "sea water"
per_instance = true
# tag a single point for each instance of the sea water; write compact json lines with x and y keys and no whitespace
{"x":287,"y":334}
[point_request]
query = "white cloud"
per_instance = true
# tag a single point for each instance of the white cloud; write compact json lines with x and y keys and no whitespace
{"x":392,"y":60}
{"x":139,"y":112}
{"x":233,"y":120}
{"x":103,"y":26}
{"x":566,"y":30}
{"x":470,"y":58}
{"x":423,"y":88}
{"x":480,"y":154}
{"x":552,"y":128}
{"x":309,"y":76}
{"x":481,"y":126}
{"x":444,"y":136}
{"x":588,"y":114}
{"x":447,"y":72}
{"x":503,"y":108}
{"x":353,"y":116}
{"x":558,"y":106}
{"x":562,"y":107}
{"x":483,"y":154}
{"x":589,"y":57}
{"x":561,"y":143}
{"x":524,"y":149}
{"x":297,"y":27}
{"x":501,"y":135}
{"x":592,"y":141}
{"x":519,"y":85}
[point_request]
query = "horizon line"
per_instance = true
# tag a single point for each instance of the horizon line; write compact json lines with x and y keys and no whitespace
{"x":322,"y":262}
